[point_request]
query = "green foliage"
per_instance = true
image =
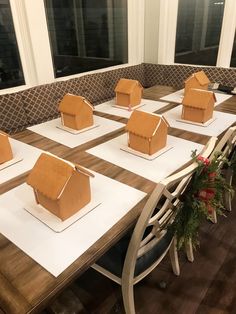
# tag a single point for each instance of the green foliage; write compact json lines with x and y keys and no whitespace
{"x":203,"y":196}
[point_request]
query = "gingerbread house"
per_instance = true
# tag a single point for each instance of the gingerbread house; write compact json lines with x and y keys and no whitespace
{"x":5,"y":148}
{"x":60,"y":186}
{"x":128,"y":93}
{"x":147,"y":132}
{"x":197,"y":80}
{"x":76,"y":112}
{"x":198,"y":105}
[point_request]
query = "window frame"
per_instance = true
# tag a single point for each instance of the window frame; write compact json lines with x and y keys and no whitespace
{"x":37,"y":62}
{"x":165,"y":41}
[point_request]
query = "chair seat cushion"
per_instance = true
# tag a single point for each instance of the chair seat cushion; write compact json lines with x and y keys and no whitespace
{"x":113,"y":259}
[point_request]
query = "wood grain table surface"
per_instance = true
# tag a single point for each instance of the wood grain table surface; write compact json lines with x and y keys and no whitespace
{"x":25,"y":286}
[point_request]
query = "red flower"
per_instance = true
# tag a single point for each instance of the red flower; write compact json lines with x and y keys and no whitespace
{"x":206,"y":194}
{"x":204,"y":160}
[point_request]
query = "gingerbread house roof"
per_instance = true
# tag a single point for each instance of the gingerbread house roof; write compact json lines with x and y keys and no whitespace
{"x":3,"y":135}
{"x":144,"y":124}
{"x":126,"y":86}
{"x":4,"y":140}
{"x":198,"y":98}
{"x":73,"y":104}
{"x":201,"y":78}
{"x":50,"y":175}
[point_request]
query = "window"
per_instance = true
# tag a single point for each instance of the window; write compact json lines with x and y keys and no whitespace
{"x":233,"y":57}
{"x":198,"y":31}
{"x":87,"y":34}
{"x":11,"y":73}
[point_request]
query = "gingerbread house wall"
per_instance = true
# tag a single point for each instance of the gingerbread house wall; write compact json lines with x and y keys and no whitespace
{"x":197,"y":114}
{"x":78,"y":122}
{"x":135,"y":97}
{"x":75,"y":196}
{"x":139,"y":143}
{"x":122,"y":99}
{"x":5,"y":150}
{"x":159,"y":139}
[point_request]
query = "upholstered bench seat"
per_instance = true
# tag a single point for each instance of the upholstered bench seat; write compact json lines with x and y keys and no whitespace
{"x":40,"y":103}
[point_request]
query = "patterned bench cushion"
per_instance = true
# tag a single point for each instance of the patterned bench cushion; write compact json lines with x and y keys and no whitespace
{"x":41,"y":102}
{"x":154,"y":74}
{"x":175,"y":75}
{"x":12,"y":114}
{"x":91,"y":86}
{"x":99,"y":87}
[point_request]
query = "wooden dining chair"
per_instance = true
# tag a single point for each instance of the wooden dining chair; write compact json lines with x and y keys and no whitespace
{"x":139,"y":252}
{"x":225,"y":148}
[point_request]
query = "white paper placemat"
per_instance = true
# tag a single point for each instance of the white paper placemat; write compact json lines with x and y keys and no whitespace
{"x":54,"y":222}
{"x":154,"y":170}
{"x":10,"y":163}
{"x":146,"y":156}
{"x":50,"y":130}
{"x":27,"y":153}
{"x":179,"y":95}
{"x":72,"y":131}
{"x":222,"y":122}
{"x":146,"y":105}
{"x":56,"y":251}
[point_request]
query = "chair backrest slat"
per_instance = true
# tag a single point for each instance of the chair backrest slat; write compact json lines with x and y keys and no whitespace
{"x":226,"y":144}
{"x":158,"y":212}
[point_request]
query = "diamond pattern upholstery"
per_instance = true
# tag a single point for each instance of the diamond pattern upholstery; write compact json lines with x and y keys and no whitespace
{"x":154,"y":74}
{"x":99,"y":87}
{"x":12,"y":114}
{"x":91,"y":86}
{"x":40,"y":103}
{"x":175,"y":75}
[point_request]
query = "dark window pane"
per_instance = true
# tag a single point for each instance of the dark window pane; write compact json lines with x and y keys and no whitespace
{"x":87,"y":34}
{"x":198,"y":31}
{"x":11,"y":73}
{"x":233,"y":57}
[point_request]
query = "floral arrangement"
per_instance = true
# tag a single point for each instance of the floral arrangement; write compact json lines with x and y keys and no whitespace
{"x":203,"y":196}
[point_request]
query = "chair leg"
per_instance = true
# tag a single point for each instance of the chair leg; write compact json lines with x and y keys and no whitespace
{"x":213,"y":217}
{"x":174,"y":258}
{"x":189,"y":250}
{"x":228,"y":173}
{"x":128,"y":298}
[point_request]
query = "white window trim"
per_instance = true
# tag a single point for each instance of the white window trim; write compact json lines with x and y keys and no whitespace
{"x":34,"y":45}
{"x":165,"y":42}
{"x":151,"y":30}
{"x":167,"y":31}
{"x":227,"y":34}
{"x":24,"y":46}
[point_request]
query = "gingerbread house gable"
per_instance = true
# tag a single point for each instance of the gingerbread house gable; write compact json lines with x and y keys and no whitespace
{"x":144,"y":124}
{"x":197,"y":80}
{"x":147,"y":132}
{"x":198,"y":105}
{"x":59,"y":185}
{"x":74,"y":105}
{"x":128,"y":92}
{"x":5,"y":148}
{"x":198,"y":98}
{"x":76,"y":112}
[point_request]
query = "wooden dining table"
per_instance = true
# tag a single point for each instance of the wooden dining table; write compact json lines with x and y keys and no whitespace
{"x":25,"y":286}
